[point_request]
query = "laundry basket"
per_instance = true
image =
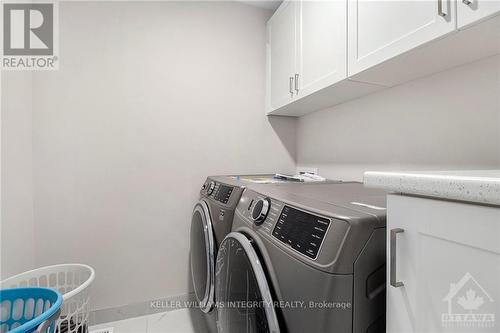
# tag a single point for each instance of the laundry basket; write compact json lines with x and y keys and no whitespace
{"x":26,"y":310}
{"x":73,"y":281}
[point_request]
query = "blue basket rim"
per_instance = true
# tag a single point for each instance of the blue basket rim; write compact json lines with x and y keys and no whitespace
{"x":35,"y":322}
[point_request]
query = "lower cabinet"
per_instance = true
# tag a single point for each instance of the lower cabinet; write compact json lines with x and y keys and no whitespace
{"x":443,"y":266}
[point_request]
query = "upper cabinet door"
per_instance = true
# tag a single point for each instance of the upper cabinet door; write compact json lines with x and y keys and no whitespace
{"x":470,"y":11}
{"x":322,"y":51}
{"x":380,"y":30}
{"x":281,"y":55}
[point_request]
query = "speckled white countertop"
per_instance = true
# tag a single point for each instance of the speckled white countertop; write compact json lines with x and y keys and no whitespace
{"x":480,"y":186}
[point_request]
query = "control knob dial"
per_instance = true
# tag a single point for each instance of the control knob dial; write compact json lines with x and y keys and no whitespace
{"x":260,"y":210}
{"x":211,"y":188}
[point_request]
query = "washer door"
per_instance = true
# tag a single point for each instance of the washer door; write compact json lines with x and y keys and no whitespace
{"x":202,"y":256}
{"x":244,"y":302}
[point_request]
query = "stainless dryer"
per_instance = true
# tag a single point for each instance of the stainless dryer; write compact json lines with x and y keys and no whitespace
{"x":304,"y":259}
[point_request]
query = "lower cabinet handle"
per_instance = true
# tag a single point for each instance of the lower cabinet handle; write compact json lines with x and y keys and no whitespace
{"x":467,"y":2}
{"x":394,"y":282}
{"x":297,"y":83}
{"x":441,"y":12}
{"x":291,"y":86}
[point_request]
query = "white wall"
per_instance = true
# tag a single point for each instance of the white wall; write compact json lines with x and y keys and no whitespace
{"x":150,"y":98}
{"x":17,"y":224}
{"x":450,"y":120}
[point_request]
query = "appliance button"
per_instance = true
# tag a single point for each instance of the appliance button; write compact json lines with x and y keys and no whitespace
{"x":260,"y":210}
{"x":211,"y":188}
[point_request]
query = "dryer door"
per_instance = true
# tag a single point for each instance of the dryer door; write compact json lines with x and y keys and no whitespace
{"x":244,"y":302}
{"x":202,"y":248}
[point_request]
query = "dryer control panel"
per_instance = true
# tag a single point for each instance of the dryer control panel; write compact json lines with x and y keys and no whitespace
{"x":303,"y":231}
{"x":248,"y":204}
{"x":298,"y":229}
{"x":324,"y":235}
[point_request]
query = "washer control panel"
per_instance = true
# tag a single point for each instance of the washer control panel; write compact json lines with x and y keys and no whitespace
{"x":223,"y":193}
{"x":219,"y":192}
{"x":303,"y":231}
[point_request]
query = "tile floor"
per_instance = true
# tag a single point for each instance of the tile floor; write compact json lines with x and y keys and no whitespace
{"x":178,"y":321}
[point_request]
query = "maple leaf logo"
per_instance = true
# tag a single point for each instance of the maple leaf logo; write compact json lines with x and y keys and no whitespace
{"x":470,"y":301}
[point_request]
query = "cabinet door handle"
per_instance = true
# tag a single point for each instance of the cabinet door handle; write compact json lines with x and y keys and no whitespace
{"x":291,"y":86}
{"x":467,"y":2}
{"x":297,"y":83}
{"x":394,"y":283}
{"x":441,"y":12}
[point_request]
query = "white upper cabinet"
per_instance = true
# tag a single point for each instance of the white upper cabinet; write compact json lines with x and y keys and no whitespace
{"x":307,"y":52}
{"x":381,"y":30}
{"x":281,"y":55}
{"x":322,"y":51}
{"x":471,"y":11}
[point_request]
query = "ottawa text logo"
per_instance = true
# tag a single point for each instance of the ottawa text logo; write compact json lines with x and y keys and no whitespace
{"x":469,"y":305}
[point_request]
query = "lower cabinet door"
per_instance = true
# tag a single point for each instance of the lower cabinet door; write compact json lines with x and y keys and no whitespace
{"x":444,"y":258}
{"x":402,"y":267}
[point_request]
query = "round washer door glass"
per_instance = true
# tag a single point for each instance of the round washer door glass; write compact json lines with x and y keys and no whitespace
{"x":244,"y":302}
{"x":202,"y":249}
